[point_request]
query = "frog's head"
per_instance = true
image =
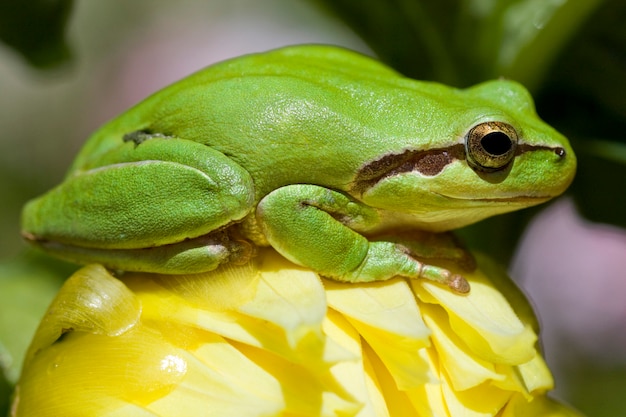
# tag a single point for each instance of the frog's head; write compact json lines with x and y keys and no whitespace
{"x":497,"y":156}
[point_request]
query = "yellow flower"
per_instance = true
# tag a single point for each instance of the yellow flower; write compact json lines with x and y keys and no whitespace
{"x":273,"y":339}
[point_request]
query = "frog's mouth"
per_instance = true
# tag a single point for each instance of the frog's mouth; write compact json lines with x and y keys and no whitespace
{"x":432,"y":162}
{"x":524,"y":200}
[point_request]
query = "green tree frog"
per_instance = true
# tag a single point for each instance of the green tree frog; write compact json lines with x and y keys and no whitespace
{"x":332,"y":158}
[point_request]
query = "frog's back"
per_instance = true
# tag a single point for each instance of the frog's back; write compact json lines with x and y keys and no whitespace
{"x":305,"y":61}
{"x":199,"y":95}
{"x":259,"y":108}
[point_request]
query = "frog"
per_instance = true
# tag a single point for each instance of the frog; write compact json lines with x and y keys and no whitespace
{"x":330,"y":157}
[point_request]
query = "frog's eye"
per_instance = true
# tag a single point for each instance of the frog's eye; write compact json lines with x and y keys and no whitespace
{"x":490,"y":146}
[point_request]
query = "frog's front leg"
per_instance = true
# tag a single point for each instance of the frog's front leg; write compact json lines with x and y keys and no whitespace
{"x":315,"y":227}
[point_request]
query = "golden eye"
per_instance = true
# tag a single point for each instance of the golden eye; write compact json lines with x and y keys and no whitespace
{"x":490,"y":146}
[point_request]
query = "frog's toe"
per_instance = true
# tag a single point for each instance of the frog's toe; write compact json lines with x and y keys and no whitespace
{"x":455,"y":282}
{"x":458,"y":284}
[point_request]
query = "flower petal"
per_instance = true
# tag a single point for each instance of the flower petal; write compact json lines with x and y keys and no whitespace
{"x":92,"y":301}
{"x":483,"y":319}
{"x":465,"y":369}
{"x":387,"y":316}
{"x":535,"y":375}
{"x":540,"y":406}
{"x":270,"y":338}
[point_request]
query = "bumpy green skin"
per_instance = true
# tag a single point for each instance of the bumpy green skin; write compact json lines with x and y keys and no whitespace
{"x":271,"y":149}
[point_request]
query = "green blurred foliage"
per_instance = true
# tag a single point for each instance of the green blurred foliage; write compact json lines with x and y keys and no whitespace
{"x":28,"y":284}
{"x":462,"y":42}
{"x":571,"y":54}
{"x":36,"y":29}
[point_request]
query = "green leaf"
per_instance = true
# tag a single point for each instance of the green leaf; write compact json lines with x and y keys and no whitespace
{"x":585,"y":98}
{"x":465,"y":42}
{"x":405,"y":34}
{"x":27,"y":285}
{"x":592,"y":69}
{"x":36,"y":29}
{"x":600,"y":187}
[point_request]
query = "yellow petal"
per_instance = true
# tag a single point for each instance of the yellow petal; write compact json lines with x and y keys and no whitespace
{"x":483,"y":319}
{"x":350,"y":372}
{"x":509,"y":289}
{"x":92,"y":301}
{"x":388,"y":318}
{"x":388,"y":305}
{"x":304,"y":392}
{"x":178,"y":358}
{"x":428,"y":399}
{"x":292,"y":299}
{"x":465,"y":369}
{"x":485,"y":400}
{"x":535,"y":375}
{"x":540,"y":406}
{"x":272,"y":339}
{"x":387,"y":398}
{"x":99,"y":373}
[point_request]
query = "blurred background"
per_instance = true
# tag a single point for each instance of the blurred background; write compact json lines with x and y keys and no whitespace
{"x":571,"y":54}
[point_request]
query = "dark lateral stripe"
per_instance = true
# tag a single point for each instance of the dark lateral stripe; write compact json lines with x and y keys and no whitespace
{"x":428,"y":163}
{"x":525,"y":147}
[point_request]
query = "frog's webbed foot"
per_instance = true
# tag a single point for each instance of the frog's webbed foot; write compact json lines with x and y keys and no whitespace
{"x":385,"y":260}
{"x":426,"y":248}
{"x":432,"y":247}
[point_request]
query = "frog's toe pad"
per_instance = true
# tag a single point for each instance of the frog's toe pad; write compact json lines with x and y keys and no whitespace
{"x":458,"y":284}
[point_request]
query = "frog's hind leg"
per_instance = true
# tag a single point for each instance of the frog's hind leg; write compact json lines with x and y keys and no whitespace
{"x":138,"y":197}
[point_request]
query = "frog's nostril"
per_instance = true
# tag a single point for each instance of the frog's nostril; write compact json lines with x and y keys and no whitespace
{"x":560,"y":152}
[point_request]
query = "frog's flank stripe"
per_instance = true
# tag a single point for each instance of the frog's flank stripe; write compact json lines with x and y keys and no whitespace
{"x":524,"y":147}
{"x":428,"y":163}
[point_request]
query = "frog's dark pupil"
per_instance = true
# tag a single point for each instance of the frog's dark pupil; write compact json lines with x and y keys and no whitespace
{"x":496,"y":143}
